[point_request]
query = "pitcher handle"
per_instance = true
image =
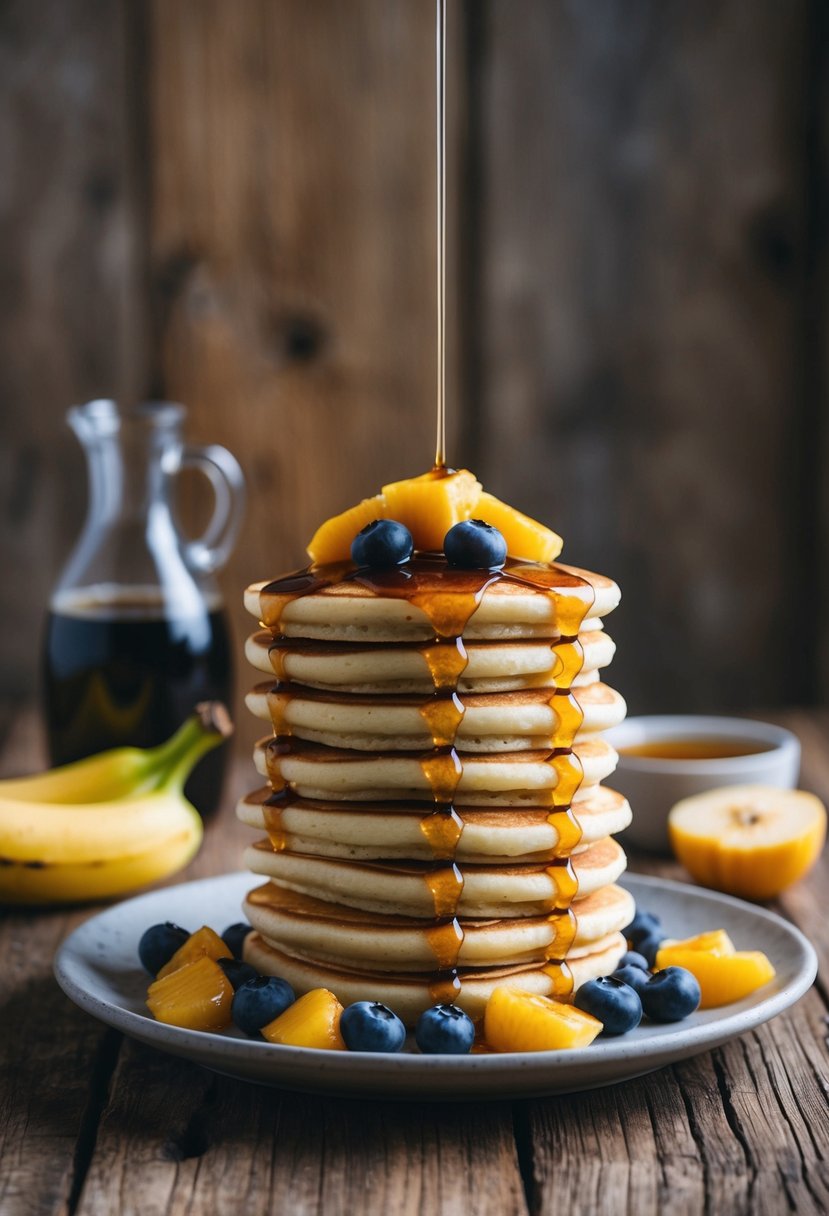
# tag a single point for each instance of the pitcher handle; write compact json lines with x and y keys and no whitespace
{"x":210,"y":551}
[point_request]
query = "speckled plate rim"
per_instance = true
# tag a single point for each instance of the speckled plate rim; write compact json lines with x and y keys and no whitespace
{"x":96,"y":966}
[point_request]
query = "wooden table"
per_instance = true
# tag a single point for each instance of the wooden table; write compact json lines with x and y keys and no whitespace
{"x":91,"y":1122}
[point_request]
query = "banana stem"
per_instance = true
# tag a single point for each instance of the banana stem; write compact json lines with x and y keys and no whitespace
{"x":173,"y":761}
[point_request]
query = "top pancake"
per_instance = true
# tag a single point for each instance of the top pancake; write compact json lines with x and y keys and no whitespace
{"x":349,"y":611}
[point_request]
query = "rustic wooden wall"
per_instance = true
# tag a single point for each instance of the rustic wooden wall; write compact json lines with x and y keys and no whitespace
{"x":231,"y":205}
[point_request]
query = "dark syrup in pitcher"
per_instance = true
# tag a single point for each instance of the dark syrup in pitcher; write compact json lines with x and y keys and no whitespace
{"x":122,"y":671}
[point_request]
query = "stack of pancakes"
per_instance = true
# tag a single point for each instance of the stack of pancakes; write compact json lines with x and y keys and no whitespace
{"x":435,"y":815}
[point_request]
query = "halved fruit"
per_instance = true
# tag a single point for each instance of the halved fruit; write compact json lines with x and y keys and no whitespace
{"x":431,"y":504}
{"x":204,"y":943}
{"x":748,"y":840}
{"x":312,"y":1021}
{"x":332,"y":540}
{"x":722,"y":978}
{"x":521,"y":1021}
{"x":197,"y":996}
{"x":525,"y":537}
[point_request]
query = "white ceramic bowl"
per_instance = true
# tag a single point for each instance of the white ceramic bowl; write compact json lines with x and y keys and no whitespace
{"x":653,"y":786}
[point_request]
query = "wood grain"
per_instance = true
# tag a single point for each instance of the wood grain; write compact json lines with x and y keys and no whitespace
{"x":641,"y":240}
{"x":66,"y":270}
{"x":291,"y":244}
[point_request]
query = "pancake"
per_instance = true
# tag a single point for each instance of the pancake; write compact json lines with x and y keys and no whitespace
{"x":313,"y":929}
{"x":409,"y":995}
{"x":373,"y":831}
{"x":490,"y":720}
{"x":346,"y":610}
{"x":508,"y":778}
{"x":378,"y":667}
{"x":437,"y":889}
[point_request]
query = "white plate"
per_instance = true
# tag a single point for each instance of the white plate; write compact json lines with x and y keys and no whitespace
{"x":97,"y":967}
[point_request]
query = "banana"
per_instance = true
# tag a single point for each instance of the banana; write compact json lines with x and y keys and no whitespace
{"x":134,"y":828}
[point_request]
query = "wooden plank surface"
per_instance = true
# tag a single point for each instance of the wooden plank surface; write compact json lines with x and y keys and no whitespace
{"x":66,"y":276}
{"x":641,"y":247}
{"x":95,"y":1124}
{"x":291,"y":249}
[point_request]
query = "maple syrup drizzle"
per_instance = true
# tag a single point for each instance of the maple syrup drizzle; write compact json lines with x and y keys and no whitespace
{"x":449,"y":611}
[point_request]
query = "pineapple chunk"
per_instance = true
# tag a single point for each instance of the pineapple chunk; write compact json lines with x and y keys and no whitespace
{"x":722,"y":978}
{"x":204,"y":943}
{"x":312,"y":1021}
{"x":197,"y":996}
{"x":715,"y":941}
{"x":332,"y":540}
{"x":521,"y":1021}
{"x":524,"y":536}
{"x":431,"y":504}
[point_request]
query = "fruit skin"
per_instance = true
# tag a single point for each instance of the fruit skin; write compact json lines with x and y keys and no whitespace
{"x":197,"y":996}
{"x":525,"y":537}
{"x":643,"y":924}
{"x":616,"y":1005}
{"x":312,"y":1021}
{"x":158,"y":944}
{"x":671,"y":995}
{"x":332,"y":540}
{"x":444,"y":1030}
{"x":521,"y":1021}
{"x":259,"y":1001}
{"x":128,"y":832}
{"x":633,"y":959}
{"x":234,"y":937}
{"x":748,"y":840}
{"x":475,"y":545}
{"x":381,"y":544}
{"x":370,"y":1026}
{"x":430,"y":504}
{"x":648,"y":944}
{"x":203,"y":943}
{"x":723,"y":978}
{"x":633,"y":976}
{"x":237,"y":972}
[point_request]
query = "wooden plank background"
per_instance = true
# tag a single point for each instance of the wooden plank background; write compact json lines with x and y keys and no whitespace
{"x":231,"y":205}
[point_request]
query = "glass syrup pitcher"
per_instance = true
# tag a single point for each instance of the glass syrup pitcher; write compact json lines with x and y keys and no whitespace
{"x":136,"y":634}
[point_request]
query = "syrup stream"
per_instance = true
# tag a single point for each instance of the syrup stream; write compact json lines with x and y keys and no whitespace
{"x":440,"y":144}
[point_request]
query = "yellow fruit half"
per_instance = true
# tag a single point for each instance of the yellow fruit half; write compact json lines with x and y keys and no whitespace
{"x":522,"y":1021}
{"x":204,"y":943}
{"x":197,"y":996}
{"x":312,"y":1021}
{"x":431,"y":504}
{"x":332,"y":540}
{"x":525,"y":537}
{"x":748,"y":840}
{"x":722,"y":978}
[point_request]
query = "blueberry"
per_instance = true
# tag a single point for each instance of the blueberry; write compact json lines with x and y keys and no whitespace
{"x":444,"y":1030}
{"x":648,"y":944}
{"x":615,"y":1004}
{"x":634,"y":977}
{"x":475,"y":545}
{"x":382,"y":543}
{"x":259,"y":1001}
{"x":237,"y":972}
{"x":158,"y":945}
{"x":370,"y":1026}
{"x":633,"y":959}
{"x":642,"y":924}
{"x":234,"y":937}
{"x":670,"y":995}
